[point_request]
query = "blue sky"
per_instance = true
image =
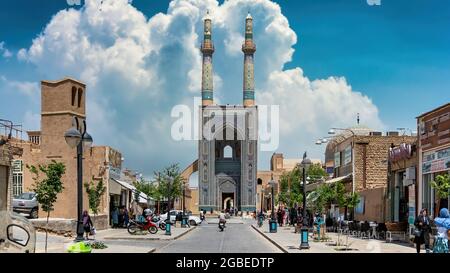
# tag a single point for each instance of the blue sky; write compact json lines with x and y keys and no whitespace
{"x":397,"y":53}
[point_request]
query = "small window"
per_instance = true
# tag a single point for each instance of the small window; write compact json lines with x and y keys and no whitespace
{"x":80,"y":96}
{"x":227,"y":152}
{"x":74,"y":94}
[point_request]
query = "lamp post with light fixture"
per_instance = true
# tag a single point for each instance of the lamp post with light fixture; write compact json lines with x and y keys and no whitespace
{"x":77,"y":136}
{"x":272,"y":221}
{"x":306,"y":164}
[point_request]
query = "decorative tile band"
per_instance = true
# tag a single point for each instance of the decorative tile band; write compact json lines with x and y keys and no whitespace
{"x":249,"y":95}
{"x":207,"y":95}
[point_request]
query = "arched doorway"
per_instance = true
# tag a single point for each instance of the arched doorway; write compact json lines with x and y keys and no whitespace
{"x":228,"y":202}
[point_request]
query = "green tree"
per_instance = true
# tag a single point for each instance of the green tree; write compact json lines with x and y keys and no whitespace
{"x":316,"y":172}
{"x":291,"y":183}
{"x":48,"y":188}
{"x":163,"y":179}
{"x":95,"y":193}
{"x":441,"y":185}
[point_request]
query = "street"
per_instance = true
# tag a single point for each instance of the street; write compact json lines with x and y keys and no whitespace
{"x":206,"y":238}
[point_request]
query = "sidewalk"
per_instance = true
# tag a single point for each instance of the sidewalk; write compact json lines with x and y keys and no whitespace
{"x":59,"y":244}
{"x":122,"y":234}
{"x":289,"y":242}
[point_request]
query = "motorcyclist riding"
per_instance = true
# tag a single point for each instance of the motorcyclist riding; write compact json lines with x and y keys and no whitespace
{"x":222,"y":221}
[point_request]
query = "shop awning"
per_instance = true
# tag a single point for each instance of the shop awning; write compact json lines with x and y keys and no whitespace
{"x":339,"y":179}
{"x":314,"y":186}
{"x":143,"y":198}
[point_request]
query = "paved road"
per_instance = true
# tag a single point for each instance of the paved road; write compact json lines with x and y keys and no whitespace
{"x":237,"y":238}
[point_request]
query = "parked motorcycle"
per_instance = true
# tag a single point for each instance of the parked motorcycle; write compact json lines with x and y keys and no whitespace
{"x":148,"y":225}
{"x":160,"y":223}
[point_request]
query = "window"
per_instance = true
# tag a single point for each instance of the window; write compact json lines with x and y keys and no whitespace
{"x":80,"y":95}
{"x":428,"y":194}
{"x":17,"y":177}
{"x":74,"y":93}
{"x":227,"y":152}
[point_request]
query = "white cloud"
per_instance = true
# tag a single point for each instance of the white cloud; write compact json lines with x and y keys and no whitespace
{"x":30,"y":89}
{"x":4,"y":52}
{"x":138,"y":68}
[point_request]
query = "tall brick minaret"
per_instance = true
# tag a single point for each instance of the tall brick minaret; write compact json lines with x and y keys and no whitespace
{"x":207,"y":48}
{"x":249,"y":49}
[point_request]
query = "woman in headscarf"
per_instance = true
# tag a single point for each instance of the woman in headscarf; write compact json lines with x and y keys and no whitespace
{"x":422,"y":232}
{"x":87,"y":223}
{"x":441,"y":244}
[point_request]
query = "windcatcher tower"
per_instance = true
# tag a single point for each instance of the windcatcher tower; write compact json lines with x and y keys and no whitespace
{"x":249,"y":49}
{"x":207,"y":49}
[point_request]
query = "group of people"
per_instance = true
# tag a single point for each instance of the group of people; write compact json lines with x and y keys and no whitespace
{"x":120,"y":217}
{"x":423,"y":231}
{"x":293,"y":216}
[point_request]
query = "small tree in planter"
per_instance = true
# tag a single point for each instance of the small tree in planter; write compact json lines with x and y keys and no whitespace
{"x":47,"y":189}
{"x":441,"y":185}
{"x":95,"y":193}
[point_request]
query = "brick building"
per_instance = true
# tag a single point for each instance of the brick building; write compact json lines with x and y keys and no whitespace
{"x":7,"y":151}
{"x":360,"y":159}
{"x":61,"y":101}
{"x":402,"y":190}
{"x":434,"y":155}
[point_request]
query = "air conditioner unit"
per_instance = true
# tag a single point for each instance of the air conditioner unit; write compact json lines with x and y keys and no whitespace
{"x":410,"y":173}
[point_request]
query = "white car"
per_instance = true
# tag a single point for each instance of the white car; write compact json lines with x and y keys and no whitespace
{"x":193,"y":220}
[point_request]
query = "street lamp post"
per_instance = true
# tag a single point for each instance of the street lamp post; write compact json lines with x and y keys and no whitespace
{"x":168,"y":223}
{"x":273,"y":221}
{"x":184,"y":219}
{"x":75,"y":138}
{"x":306,"y":163}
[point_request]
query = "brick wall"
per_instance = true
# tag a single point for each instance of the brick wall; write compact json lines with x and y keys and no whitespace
{"x":371,"y":159}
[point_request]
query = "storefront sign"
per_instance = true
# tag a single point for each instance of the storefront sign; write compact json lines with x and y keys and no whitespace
{"x":348,"y":155}
{"x":436,"y":162}
{"x":337,"y":160}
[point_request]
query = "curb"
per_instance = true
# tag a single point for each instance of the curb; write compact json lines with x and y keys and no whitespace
{"x":130,"y":238}
{"x":184,"y":233}
{"x":270,"y":240}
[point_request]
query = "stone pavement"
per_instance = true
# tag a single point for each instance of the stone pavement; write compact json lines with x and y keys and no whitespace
{"x":117,"y":240}
{"x":59,"y":244}
{"x":289,"y":242}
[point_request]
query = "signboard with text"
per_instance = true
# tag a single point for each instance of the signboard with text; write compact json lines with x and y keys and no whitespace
{"x":348,"y":155}
{"x":337,"y":160}
{"x":436,"y":161}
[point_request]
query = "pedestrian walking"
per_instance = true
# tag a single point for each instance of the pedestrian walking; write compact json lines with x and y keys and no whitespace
{"x":115,"y":217}
{"x":126,"y":218}
{"x":280,"y":217}
{"x":422,"y":231}
{"x":87,"y":223}
{"x":442,"y":244}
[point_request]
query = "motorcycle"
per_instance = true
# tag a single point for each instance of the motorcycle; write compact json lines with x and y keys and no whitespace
{"x":160,"y":223}
{"x":221,"y":225}
{"x":148,"y":225}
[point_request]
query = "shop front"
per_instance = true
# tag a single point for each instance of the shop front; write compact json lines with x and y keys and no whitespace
{"x":435,"y":163}
{"x":434,"y":153}
{"x":402,"y":183}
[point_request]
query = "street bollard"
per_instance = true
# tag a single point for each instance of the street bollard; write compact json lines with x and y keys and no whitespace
{"x":272,"y":226}
{"x":168,"y":228}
